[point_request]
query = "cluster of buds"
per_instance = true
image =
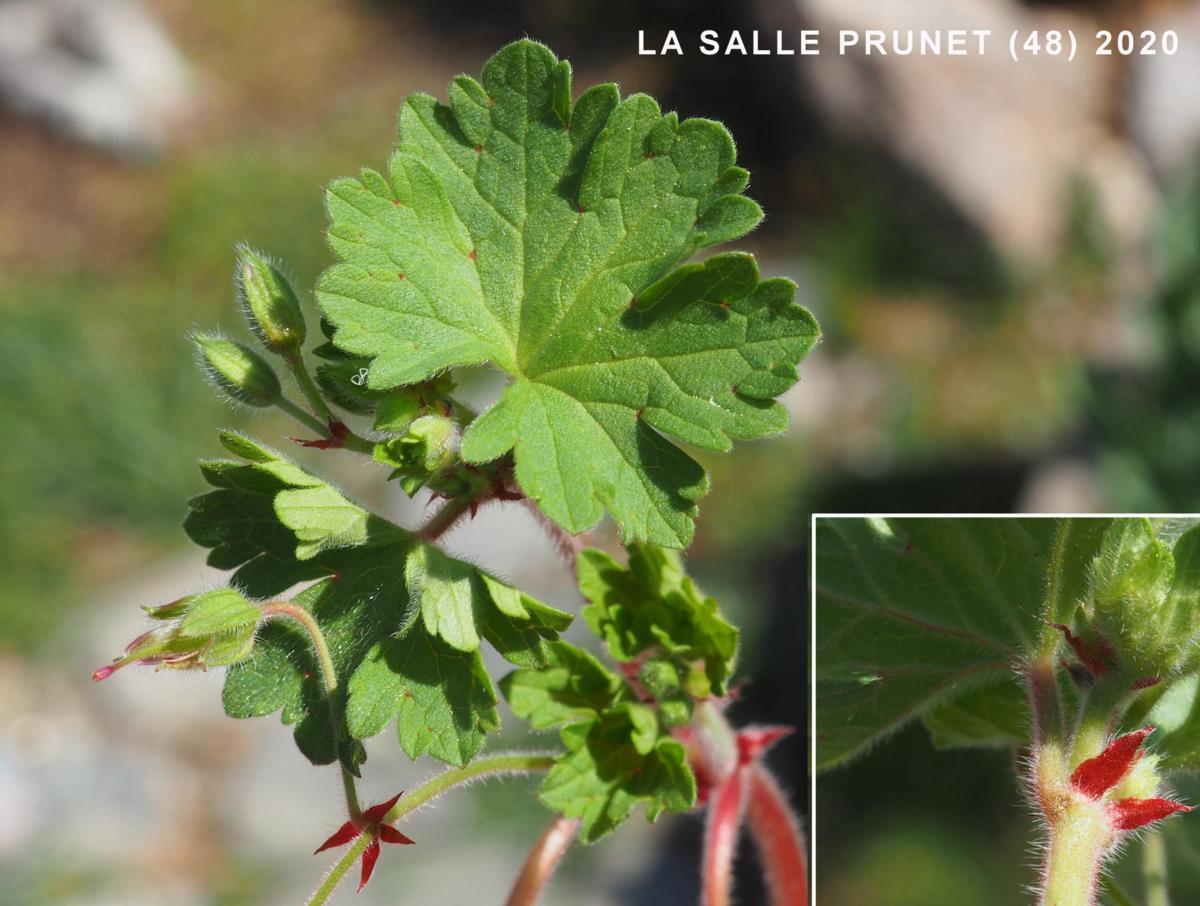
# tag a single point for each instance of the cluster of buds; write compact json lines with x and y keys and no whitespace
{"x":420,"y":443}
{"x":273,"y":313}
{"x":212,"y":629}
{"x":426,"y":455}
{"x":417,"y":426}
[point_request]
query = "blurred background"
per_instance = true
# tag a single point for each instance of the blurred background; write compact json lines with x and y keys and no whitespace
{"x":1005,"y":260}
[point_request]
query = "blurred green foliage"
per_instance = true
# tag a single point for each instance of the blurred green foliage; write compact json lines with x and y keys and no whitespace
{"x":105,"y":411}
{"x":1148,"y":413}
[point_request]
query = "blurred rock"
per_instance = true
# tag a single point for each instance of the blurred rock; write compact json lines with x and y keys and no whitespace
{"x":1063,"y":485}
{"x":101,"y":71}
{"x":1001,"y":138}
{"x":1164,"y":108}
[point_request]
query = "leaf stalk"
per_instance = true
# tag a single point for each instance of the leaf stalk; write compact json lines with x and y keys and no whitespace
{"x":544,"y":857}
{"x":329,"y":676}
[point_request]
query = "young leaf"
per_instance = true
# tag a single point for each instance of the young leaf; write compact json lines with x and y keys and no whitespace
{"x":549,"y":241}
{"x":391,"y":607}
{"x":612,"y":764}
{"x":652,"y":605}
{"x":574,"y":686}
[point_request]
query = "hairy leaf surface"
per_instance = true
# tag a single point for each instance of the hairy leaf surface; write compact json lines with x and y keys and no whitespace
{"x":931,"y":616}
{"x":548,"y":239}
{"x":402,"y":620}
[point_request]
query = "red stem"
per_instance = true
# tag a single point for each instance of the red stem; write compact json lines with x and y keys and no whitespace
{"x":720,"y":841}
{"x":542,"y":860}
{"x":567,"y":545}
{"x":448,"y":516}
{"x":779,"y":840}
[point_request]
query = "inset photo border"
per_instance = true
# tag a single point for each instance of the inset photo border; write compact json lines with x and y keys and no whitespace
{"x":1006,"y":709}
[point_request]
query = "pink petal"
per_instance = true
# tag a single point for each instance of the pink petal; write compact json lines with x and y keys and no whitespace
{"x":369,"y":857}
{"x":1097,"y":775}
{"x":376,"y":812}
{"x":340,"y":837}
{"x":389,"y":834}
{"x":103,"y":673}
{"x":1130,"y":814}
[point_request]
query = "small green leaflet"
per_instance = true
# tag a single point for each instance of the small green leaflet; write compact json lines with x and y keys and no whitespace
{"x":549,"y":241}
{"x":612,"y":765}
{"x":930,"y":616}
{"x":573,"y":686}
{"x":618,"y":753}
{"x":402,"y":620}
{"x":653,"y":605}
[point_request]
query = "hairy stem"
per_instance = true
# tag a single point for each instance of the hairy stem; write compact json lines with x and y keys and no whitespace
{"x":312,"y":393}
{"x":567,"y":545}
{"x":1154,"y":869}
{"x":306,"y":620}
{"x":309,"y":624}
{"x":295,"y":363}
{"x":302,"y":415}
{"x":542,"y":861}
{"x":1079,"y":841}
{"x":1096,"y":717}
{"x":489,"y":766}
{"x":448,"y":516}
{"x":1045,"y":700}
{"x":720,"y":838}
{"x":780,"y":842}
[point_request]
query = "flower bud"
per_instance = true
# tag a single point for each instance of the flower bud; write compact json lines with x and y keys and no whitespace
{"x":1145,"y":599}
{"x":268,"y":302}
{"x":429,"y":445}
{"x":430,"y":441}
{"x":213,"y":629}
{"x":237,"y":371}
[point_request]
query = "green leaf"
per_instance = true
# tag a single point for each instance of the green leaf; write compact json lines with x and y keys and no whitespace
{"x":549,"y":241}
{"x":573,"y":686}
{"x":1174,"y":712}
{"x":385,"y":599}
{"x":447,"y":596}
{"x":611,"y":765}
{"x":440,"y":697}
{"x":991,"y":716}
{"x":653,"y":605}
{"x":919,"y":616}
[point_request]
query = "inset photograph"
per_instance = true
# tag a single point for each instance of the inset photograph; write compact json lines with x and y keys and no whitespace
{"x":1006,"y":710}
